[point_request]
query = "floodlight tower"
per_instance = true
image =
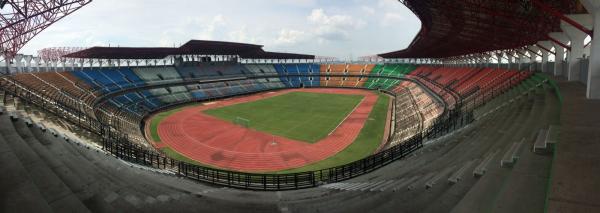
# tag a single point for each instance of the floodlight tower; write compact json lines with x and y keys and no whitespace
{"x":21,"y":20}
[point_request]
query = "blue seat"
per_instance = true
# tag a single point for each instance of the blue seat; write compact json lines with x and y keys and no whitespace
{"x":281,"y":70}
{"x":199,"y":95}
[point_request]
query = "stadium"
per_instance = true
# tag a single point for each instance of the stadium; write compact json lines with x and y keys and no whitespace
{"x":493,"y":107}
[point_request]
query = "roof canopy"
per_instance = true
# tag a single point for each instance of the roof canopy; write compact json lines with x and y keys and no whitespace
{"x":193,"y":47}
{"x":460,"y":27}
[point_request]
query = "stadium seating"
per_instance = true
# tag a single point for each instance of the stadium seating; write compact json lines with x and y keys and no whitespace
{"x":388,"y":70}
{"x":153,"y":74}
{"x":470,"y":84}
{"x":337,"y":69}
{"x":108,"y":80}
{"x":261,"y":69}
{"x":296,"y":75}
{"x":62,"y":173}
{"x":366,"y":71}
{"x":211,"y":70}
{"x":74,"y":88}
{"x":415,"y":111}
{"x":353,"y":69}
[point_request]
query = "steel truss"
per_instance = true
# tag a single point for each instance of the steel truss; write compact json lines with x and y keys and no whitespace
{"x":57,"y":53}
{"x":21,"y":20}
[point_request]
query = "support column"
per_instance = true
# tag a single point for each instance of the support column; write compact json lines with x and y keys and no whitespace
{"x":533,"y":53}
{"x":28,"y":67}
{"x":510,"y":60}
{"x":37,"y":60}
{"x":559,"y":60}
{"x":577,"y":38}
{"x":523,"y":60}
{"x":18,"y":63}
{"x":545,"y":47}
{"x":499,"y":58}
{"x":593,"y":83}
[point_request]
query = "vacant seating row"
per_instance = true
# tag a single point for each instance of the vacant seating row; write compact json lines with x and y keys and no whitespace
{"x":389,"y":70}
{"x":345,"y":69}
{"x":415,"y":111}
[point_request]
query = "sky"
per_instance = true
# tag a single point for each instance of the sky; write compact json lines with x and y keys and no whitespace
{"x":340,"y":28}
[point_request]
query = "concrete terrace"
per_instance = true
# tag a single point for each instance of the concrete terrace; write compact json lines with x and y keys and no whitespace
{"x":576,"y":174}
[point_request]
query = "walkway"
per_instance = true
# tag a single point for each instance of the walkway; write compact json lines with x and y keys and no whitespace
{"x":576,"y":170}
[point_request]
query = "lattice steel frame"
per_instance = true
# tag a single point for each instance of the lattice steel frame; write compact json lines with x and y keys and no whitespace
{"x":57,"y":53}
{"x":21,"y":20}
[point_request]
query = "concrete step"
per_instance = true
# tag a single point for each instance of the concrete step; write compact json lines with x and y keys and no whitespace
{"x":459,"y":174}
{"x":55,"y":192}
{"x":19,"y":192}
{"x":482,"y":168}
{"x":540,"y":145}
{"x":483,"y":196}
{"x":525,"y":188}
{"x":86,"y":171}
{"x":443,"y":174}
{"x":511,"y":155}
{"x":58,"y":167}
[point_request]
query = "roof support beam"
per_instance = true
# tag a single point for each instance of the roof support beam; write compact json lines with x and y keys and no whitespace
{"x":559,"y":43}
{"x":531,"y":50}
{"x":562,"y":17}
{"x":543,"y":45}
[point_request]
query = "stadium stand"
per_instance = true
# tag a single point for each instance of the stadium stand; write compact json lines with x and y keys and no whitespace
{"x":74,"y":88}
{"x":211,"y":70}
{"x":86,"y":179}
{"x":153,"y":74}
{"x":472,"y":125}
{"x":388,"y":70}
{"x":337,"y":69}
{"x":415,"y":112}
{"x":365,"y":72}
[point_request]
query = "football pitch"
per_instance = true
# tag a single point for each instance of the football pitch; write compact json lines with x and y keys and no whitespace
{"x":303,"y":116}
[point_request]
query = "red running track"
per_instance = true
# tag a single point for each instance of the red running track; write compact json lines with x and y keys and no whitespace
{"x":218,"y":143}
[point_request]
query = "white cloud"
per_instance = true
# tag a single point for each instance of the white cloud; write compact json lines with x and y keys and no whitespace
{"x":389,"y":4}
{"x":207,"y":31}
{"x":192,"y":28}
{"x":391,"y":19}
{"x":332,"y":27}
{"x":303,"y":3}
{"x":368,"y":10}
{"x":242,"y":35}
{"x":291,"y":37}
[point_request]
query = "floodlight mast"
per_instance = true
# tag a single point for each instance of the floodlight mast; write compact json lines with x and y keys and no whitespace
{"x":21,"y":20}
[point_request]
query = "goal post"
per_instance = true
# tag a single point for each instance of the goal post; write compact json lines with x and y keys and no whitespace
{"x":241,"y":122}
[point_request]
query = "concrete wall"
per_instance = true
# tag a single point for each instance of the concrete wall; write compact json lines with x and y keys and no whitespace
{"x":584,"y":65}
{"x":550,"y":67}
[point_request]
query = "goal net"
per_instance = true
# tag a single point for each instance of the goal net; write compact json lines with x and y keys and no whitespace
{"x":242,"y":122}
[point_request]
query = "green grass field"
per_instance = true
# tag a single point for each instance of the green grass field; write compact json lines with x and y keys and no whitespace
{"x":303,"y":116}
{"x":366,"y":143}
